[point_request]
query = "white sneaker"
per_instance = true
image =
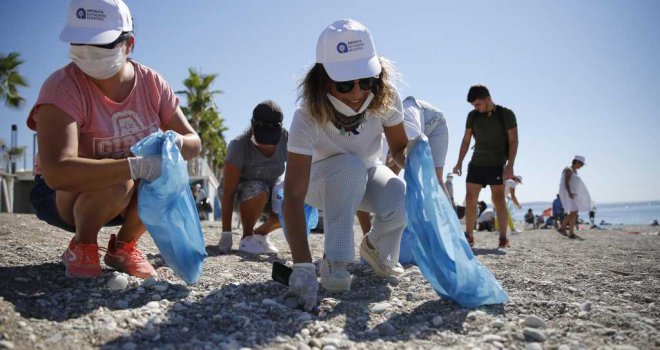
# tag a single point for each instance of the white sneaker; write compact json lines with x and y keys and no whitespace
{"x":225,"y":242}
{"x":335,"y":276}
{"x":251,"y":245}
{"x":515,"y":232}
{"x":382,"y":269}
{"x":266,"y":243}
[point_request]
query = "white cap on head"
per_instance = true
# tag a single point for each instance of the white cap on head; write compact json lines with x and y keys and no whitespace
{"x":96,"y":22}
{"x":347,"y":52}
{"x":580,"y":159}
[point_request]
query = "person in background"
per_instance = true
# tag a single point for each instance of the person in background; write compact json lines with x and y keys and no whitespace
{"x":486,"y":218}
{"x":574,"y":195}
{"x":87,"y":116}
{"x":557,"y":211}
{"x":530,"y":218}
{"x":419,"y":117}
{"x":496,"y":144}
{"x":252,"y":178}
{"x":449,"y":186}
{"x":347,"y":102}
{"x":510,"y":194}
{"x":201,"y":201}
{"x":592,"y":216}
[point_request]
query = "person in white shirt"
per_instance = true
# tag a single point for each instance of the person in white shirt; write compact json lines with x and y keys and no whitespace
{"x":347,"y":102}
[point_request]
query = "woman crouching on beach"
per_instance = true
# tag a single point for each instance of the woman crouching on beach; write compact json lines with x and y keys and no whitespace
{"x":347,"y":102}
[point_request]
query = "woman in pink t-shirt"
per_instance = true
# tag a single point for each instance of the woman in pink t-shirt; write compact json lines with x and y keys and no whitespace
{"x":88,"y":115}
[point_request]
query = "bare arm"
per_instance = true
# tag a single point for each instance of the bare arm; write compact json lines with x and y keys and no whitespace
{"x":192,"y":144}
{"x":465,"y":144}
{"x":514,"y":198}
{"x":295,"y":189}
{"x":512,"y":134}
{"x":567,"y":180}
{"x":397,"y":141}
{"x":231,"y":174}
{"x":61,"y":167}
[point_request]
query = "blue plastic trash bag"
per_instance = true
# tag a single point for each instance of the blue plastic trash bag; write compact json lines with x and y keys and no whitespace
{"x":167,"y":208}
{"x":311,"y":215}
{"x":440,"y":248}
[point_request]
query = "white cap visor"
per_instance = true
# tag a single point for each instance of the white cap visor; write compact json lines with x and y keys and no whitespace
{"x":355,"y":69}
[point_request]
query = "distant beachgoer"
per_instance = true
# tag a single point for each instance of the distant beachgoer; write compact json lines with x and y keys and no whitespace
{"x":486,"y":220}
{"x":419,"y":117}
{"x":496,"y":144}
{"x":348,"y":101}
{"x":510,"y":194}
{"x":88,"y":115}
{"x":252,"y":178}
{"x":592,"y":215}
{"x":655,"y":223}
{"x":557,"y":211}
{"x":529,"y":218}
{"x":449,"y":186}
{"x":574,"y":195}
{"x":201,"y":201}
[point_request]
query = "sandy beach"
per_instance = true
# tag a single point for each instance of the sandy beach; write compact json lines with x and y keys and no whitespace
{"x":600,"y":291}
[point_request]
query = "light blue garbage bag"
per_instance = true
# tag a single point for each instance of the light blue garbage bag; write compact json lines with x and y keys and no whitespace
{"x":167,"y":208}
{"x":440,"y":248}
{"x":311,"y":215}
{"x":406,"y":247}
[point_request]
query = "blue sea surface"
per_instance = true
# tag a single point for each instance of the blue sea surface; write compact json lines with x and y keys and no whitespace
{"x":623,"y":213}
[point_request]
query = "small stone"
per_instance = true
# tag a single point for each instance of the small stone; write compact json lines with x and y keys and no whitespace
{"x":410,"y":296}
{"x":497,"y":323}
{"x":281,"y":339}
{"x":564,"y":347}
{"x":437,"y":321}
{"x":22,"y":324}
{"x":535,"y":322}
{"x":315,"y":343}
{"x":492,"y":338}
{"x":303,"y":346}
{"x":380,"y":307}
{"x":160,"y":287}
{"x":331,"y":341}
{"x":586,"y":306}
{"x":304,"y":317}
{"x":153,"y":305}
{"x":625,"y":347}
{"x":129,"y":346}
{"x":6,"y":344}
{"x":156,"y":297}
{"x":533,"y":334}
{"x":118,"y":282}
{"x":533,"y":346}
{"x":149,"y":282}
{"x":270,"y":302}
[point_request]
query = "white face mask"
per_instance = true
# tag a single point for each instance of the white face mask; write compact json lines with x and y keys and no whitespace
{"x":96,"y":62}
{"x":342,"y":108}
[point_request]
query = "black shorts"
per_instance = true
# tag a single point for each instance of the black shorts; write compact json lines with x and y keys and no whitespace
{"x":485,"y":175}
{"x":42,"y":198}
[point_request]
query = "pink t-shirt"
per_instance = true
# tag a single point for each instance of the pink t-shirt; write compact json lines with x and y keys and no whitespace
{"x":108,"y":129}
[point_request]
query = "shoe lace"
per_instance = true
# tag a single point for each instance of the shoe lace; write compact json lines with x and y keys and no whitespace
{"x":131,"y":251}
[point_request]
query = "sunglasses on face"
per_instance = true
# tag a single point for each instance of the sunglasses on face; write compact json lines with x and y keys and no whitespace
{"x":122,"y":37}
{"x":268,"y":125}
{"x":346,"y":86}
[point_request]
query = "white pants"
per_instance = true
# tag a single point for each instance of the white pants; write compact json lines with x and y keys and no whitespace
{"x":340,"y":185}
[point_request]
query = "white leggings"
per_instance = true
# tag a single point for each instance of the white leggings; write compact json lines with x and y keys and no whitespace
{"x":340,"y":185}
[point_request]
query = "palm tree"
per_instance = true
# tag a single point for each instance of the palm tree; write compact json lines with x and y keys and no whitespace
{"x":204,"y":117}
{"x":10,"y":80}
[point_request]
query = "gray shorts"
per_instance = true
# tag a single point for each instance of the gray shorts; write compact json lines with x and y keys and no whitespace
{"x":249,"y":189}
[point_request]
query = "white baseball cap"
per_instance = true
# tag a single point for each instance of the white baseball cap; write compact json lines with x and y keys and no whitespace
{"x":580,"y":159}
{"x":518,"y":177}
{"x":347,"y":52}
{"x":96,"y":22}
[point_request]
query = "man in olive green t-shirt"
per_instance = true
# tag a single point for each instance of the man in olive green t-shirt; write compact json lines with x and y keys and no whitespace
{"x":496,"y":143}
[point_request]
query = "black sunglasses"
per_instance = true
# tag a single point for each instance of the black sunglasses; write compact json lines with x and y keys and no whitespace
{"x":268,"y":125}
{"x":346,"y":86}
{"x":122,"y":37}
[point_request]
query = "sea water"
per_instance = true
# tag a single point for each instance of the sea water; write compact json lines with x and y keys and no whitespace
{"x":622,"y":213}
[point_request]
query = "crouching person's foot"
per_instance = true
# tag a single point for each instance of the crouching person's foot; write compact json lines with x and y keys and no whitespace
{"x":82,"y":260}
{"x":335,"y":276}
{"x":250,"y":244}
{"x":373,"y":258}
{"x":126,"y":257}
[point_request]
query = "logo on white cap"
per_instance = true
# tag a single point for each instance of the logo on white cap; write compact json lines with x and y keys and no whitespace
{"x":81,"y":13}
{"x":347,"y":52}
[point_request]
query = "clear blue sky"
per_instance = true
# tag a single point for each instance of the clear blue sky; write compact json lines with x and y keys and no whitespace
{"x":582,"y":76}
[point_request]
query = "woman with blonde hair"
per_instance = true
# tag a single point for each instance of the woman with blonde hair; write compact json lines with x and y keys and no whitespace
{"x":347,"y":102}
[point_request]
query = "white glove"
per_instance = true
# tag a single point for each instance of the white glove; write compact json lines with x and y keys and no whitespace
{"x":303,"y":285}
{"x":225,"y":242}
{"x":147,"y":168}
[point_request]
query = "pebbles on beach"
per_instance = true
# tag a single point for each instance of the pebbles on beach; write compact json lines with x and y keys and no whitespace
{"x":564,"y":294}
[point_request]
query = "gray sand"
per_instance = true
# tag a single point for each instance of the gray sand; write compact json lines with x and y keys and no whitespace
{"x":597,"y":292}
